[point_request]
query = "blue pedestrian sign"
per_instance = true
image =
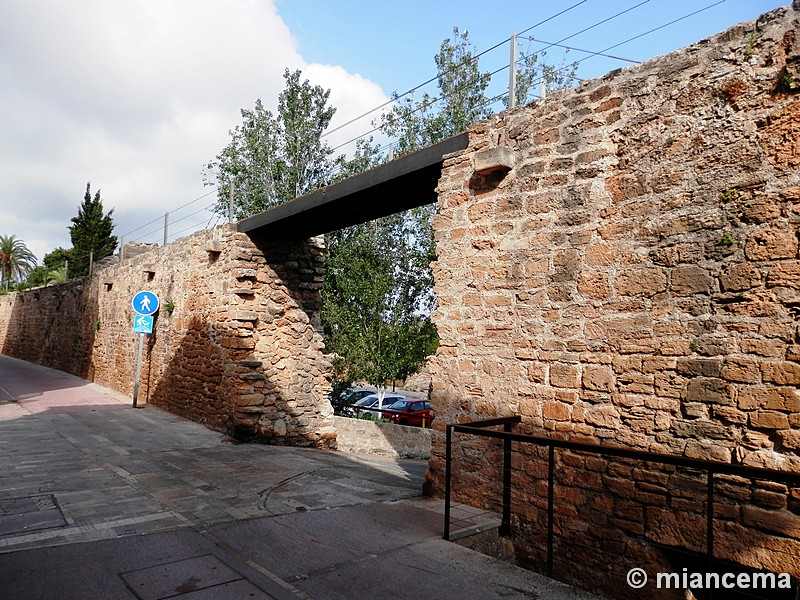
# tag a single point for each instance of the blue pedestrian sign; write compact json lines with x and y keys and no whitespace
{"x":143,"y":324}
{"x":145,"y":303}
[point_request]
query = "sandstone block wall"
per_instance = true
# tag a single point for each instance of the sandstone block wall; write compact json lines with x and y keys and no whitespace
{"x":236,"y":346}
{"x":633,"y":280}
{"x":385,"y":439}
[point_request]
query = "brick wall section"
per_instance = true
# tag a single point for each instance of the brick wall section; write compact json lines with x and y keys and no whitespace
{"x":633,"y":280}
{"x":241,"y":352}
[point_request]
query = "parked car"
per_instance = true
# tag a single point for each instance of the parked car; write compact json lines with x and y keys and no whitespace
{"x":341,"y":402}
{"x":368,"y":404}
{"x":410,"y":412}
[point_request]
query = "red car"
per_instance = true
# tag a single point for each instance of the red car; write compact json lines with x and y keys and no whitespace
{"x":410,"y":412}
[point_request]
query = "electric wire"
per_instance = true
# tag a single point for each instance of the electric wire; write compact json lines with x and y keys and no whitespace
{"x":396,"y":97}
{"x":474,"y":58}
{"x":551,"y":44}
{"x":648,"y":32}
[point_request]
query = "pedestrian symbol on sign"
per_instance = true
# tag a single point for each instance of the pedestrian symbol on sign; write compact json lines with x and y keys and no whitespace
{"x":145,"y":303}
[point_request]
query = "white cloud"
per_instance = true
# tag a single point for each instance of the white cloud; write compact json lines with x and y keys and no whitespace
{"x":135,"y":95}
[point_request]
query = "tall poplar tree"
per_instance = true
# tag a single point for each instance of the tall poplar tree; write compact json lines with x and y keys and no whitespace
{"x":91,"y":234}
{"x":273,"y":158}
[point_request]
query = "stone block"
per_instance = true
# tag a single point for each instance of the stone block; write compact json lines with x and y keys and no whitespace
{"x":741,"y":370}
{"x":781,"y":372}
{"x":740,"y":277}
{"x":709,"y":389}
{"x":641,"y":282}
{"x":689,"y":280}
{"x":786,"y":274}
{"x":499,"y":159}
{"x":769,"y":419}
{"x":556,"y":411}
{"x":790,"y":439}
{"x":769,"y":397}
{"x":603,"y":415}
{"x":599,"y":378}
{"x":707,"y":450}
{"x":594,"y":284}
{"x":771,"y":243}
{"x":564,"y":376}
{"x":782,"y":522}
{"x":625,"y":186}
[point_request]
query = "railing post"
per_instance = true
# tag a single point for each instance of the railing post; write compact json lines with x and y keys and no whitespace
{"x":447,"y":473}
{"x":550,"y":525}
{"x":710,"y":526}
{"x":505,"y":527}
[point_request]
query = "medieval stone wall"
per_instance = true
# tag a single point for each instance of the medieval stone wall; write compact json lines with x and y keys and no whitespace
{"x":236,"y":346}
{"x":619,"y":264}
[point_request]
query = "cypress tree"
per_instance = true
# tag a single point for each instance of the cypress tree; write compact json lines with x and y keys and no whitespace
{"x":90,"y":233}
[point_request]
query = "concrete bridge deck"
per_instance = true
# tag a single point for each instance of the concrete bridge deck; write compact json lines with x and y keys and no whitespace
{"x":100,"y":500}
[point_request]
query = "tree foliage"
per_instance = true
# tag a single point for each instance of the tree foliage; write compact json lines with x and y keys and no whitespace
{"x":461,"y":100}
{"x":91,"y":234}
{"x":51,"y":263}
{"x":272,"y":158}
{"x":534,"y":72}
{"x":376,"y":301}
{"x":16,"y":260}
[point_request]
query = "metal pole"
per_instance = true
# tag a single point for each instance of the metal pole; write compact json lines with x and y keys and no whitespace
{"x":230,"y":202}
{"x":447,"y":474}
{"x":505,"y":527}
{"x":138,"y":369}
{"x":550,"y":524}
{"x":122,"y":248}
{"x":65,"y":270}
{"x":166,"y":227}
{"x":91,"y":261}
{"x":710,"y":526}
{"x":512,"y":73}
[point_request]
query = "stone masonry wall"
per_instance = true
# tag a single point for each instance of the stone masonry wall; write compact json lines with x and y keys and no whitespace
{"x":236,"y":345}
{"x":619,"y":264}
{"x":384,"y":439}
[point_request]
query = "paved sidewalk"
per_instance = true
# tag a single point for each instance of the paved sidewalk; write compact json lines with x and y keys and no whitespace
{"x":100,"y":500}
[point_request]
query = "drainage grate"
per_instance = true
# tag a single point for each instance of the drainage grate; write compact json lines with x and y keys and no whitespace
{"x":30,"y":513}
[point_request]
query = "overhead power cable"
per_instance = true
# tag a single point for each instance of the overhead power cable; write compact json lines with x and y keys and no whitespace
{"x":438,"y":75}
{"x":648,"y":32}
{"x":551,"y":44}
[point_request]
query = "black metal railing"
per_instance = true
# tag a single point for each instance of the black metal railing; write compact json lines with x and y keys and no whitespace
{"x":482,"y":428}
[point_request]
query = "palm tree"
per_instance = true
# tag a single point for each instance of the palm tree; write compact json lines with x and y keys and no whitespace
{"x":16,"y":261}
{"x":58,"y":275}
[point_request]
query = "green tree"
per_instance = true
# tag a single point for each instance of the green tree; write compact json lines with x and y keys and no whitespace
{"x":16,"y":261}
{"x":91,"y":234}
{"x":52,"y":262}
{"x":274,"y":158}
{"x":533,"y":71}
{"x":376,"y":302}
{"x":460,"y":103}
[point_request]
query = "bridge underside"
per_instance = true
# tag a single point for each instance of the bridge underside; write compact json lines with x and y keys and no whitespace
{"x":404,"y":183}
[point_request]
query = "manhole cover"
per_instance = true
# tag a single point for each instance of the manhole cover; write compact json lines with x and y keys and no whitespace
{"x":29,"y":513}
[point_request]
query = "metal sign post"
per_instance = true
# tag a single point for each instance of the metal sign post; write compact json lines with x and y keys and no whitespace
{"x":138,"y":369}
{"x":145,"y":304}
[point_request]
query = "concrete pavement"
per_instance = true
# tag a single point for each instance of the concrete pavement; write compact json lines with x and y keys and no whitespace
{"x":100,"y":500}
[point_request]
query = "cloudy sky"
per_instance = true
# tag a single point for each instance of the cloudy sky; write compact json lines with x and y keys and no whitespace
{"x":136,"y":95}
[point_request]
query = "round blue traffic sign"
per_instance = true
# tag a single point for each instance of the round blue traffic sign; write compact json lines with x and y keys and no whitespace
{"x":145,"y":303}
